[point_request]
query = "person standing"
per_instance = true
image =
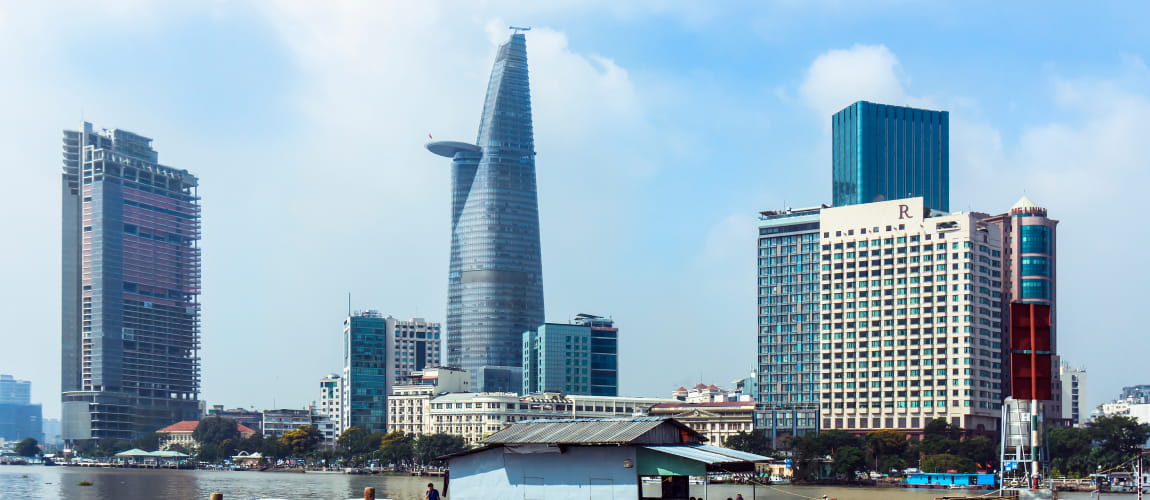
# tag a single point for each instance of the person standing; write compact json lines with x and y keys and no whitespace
{"x":431,"y":493}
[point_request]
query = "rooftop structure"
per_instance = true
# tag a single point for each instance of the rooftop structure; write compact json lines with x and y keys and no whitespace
{"x":884,"y":152}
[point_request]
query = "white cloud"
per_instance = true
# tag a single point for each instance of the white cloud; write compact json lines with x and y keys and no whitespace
{"x":839,"y":77}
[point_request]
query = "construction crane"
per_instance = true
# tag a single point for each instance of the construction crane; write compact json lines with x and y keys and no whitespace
{"x":519,"y":29}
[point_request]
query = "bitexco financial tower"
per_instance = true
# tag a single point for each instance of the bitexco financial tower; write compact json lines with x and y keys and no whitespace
{"x":495,"y":280}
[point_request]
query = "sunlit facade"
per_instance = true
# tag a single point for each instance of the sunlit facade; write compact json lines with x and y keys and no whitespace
{"x":495,"y":277}
{"x":130,"y":316}
{"x":882,"y":152}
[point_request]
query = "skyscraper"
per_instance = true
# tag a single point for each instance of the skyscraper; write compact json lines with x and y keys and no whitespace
{"x":883,"y":152}
{"x":495,"y":277}
{"x":19,"y":418}
{"x":789,"y":338}
{"x":911,"y":318}
{"x":379,"y":352}
{"x":130,"y":319}
{"x":1029,"y":268}
{"x":366,"y":366}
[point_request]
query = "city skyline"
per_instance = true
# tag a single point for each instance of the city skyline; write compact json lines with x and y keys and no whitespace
{"x":652,"y":128}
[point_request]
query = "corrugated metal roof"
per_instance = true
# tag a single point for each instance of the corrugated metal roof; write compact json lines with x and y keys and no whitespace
{"x":581,"y":430}
{"x":741,"y":455}
{"x":708,"y":454}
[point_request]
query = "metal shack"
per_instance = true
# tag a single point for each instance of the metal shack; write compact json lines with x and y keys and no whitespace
{"x":614,"y":458}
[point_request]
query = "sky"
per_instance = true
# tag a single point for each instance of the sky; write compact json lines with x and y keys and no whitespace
{"x":662,"y":129}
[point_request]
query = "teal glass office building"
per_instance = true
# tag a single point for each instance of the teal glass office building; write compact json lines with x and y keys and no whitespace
{"x":883,"y":152}
{"x":578,"y":358}
{"x":495,"y":276}
{"x":365,"y":362}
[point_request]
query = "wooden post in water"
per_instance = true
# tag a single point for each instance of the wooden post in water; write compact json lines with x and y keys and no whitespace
{"x":369,"y":493}
{"x":217,"y":496}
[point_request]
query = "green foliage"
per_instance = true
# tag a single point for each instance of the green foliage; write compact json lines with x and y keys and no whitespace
{"x":397,"y":447}
{"x":215,"y":430}
{"x":275,"y":448}
{"x":755,"y":442}
{"x":147,"y":442}
{"x":111,"y":446}
{"x":251,"y":444}
{"x":944,"y":462}
{"x":302,"y":440}
{"x":27,"y":447}
{"x":848,"y":460}
{"x":430,"y":446}
{"x":1103,"y":443}
{"x":886,"y":448}
{"x":839,"y":445}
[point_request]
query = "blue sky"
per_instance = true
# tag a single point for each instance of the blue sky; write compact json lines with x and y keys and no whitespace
{"x":662,"y":128}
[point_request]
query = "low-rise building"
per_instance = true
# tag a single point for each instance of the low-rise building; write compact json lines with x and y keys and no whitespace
{"x":277,"y":422}
{"x":252,"y":418}
{"x":408,"y":404}
{"x":475,"y":415}
{"x":180,"y":433}
{"x":590,"y":458}
{"x":717,"y":420}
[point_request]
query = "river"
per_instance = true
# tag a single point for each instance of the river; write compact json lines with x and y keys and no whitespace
{"x":38,"y":482}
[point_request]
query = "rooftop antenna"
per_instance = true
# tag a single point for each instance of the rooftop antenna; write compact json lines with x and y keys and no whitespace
{"x":519,"y":29}
{"x":349,"y":304}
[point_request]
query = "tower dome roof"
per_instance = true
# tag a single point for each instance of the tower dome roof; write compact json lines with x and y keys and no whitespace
{"x":1026,"y":206}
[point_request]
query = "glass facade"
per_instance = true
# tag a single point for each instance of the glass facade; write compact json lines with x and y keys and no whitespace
{"x":130,"y":317}
{"x":495,"y":277}
{"x":580,"y":358}
{"x":788,"y":312}
{"x":883,"y":152}
{"x":365,"y":372}
{"x":1035,"y":239}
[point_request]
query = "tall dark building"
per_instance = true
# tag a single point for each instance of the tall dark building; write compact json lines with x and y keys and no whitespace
{"x":130,"y":315}
{"x":884,"y":152}
{"x":495,"y":278}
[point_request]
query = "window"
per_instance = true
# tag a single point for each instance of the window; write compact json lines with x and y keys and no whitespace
{"x":1035,"y":239}
{"x":1035,"y":289}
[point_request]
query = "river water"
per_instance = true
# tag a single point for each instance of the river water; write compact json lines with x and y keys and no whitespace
{"x":36,"y":482}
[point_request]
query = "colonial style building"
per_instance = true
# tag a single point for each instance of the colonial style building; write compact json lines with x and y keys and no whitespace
{"x":180,"y":433}
{"x":475,"y":415}
{"x":717,"y":421}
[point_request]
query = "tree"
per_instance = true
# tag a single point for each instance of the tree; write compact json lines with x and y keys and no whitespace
{"x":214,"y":430}
{"x":430,"y":446}
{"x":107,"y":447}
{"x":886,"y":447}
{"x":149,"y":441}
{"x":944,"y":462}
{"x":1116,"y":439}
{"x":251,"y":444}
{"x":27,"y":447}
{"x":751,"y":442}
{"x":275,"y":448}
{"x":302,"y":440}
{"x":848,"y":460}
{"x":981,"y":450}
{"x":397,"y":447}
{"x":1070,"y":451}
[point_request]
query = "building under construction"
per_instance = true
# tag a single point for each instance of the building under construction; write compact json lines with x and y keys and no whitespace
{"x":130,"y":316}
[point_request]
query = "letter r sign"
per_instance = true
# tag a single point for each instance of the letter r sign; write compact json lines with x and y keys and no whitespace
{"x":904,"y":212}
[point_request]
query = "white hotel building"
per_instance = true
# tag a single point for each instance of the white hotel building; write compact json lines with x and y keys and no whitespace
{"x":911,"y":311}
{"x":475,"y":415}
